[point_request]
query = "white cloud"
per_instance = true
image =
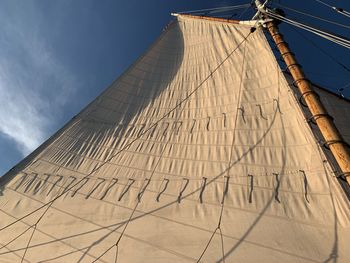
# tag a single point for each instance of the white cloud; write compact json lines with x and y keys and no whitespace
{"x":34,"y":84}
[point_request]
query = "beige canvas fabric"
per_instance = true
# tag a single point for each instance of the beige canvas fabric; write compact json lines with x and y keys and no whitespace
{"x":339,"y":108}
{"x":199,"y":151}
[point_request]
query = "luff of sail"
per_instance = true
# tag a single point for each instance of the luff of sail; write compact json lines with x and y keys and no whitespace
{"x":198,"y":152}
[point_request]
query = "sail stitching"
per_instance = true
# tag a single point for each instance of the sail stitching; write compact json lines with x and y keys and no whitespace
{"x":194,"y":179}
{"x":163,"y":150}
{"x":225,"y":187}
{"x":131,"y":142}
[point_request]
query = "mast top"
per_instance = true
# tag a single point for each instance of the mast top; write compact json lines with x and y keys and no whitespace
{"x":260,"y":7}
{"x":257,"y":20}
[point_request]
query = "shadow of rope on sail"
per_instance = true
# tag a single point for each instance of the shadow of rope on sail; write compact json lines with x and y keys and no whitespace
{"x":181,"y":110}
{"x":49,"y":204}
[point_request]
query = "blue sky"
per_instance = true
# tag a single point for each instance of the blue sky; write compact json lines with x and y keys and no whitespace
{"x":56,"y":56}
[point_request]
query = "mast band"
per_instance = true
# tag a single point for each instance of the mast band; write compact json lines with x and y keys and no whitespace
{"x":317,"y":116}
{"x":343,"y":175}
{"x":287,"y":53}
{"x":295,"y":65}
{"x":296,"y":82}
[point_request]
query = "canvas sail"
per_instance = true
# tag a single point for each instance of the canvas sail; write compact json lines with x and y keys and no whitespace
{"x":200,"y":151}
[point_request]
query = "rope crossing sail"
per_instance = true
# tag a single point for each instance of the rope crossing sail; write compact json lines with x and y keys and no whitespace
{"x":199,"y":152}
{"x":155,"y":167}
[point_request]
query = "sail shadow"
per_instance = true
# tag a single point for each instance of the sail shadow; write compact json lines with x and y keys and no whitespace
{"x":113,"y":113}
{"x":200,"y":189}
{"x":116,"y":123}
{"x":95,"y":243}
{"x":121,"y":224}
{"x":66,"y":254}
{"x":333,"y":256}
{"x":272,"y":198}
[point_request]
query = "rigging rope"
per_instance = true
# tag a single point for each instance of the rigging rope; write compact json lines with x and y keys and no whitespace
{"x":337,"y":9}
{"x":324,"y":34}
{"x":345,"y":87}
{"x":324,"y":3}
{"x":218,"y":227}
{"x":137,"y":203}
{"x":217,"y":9}
{"x":314,"y":30}
{"x":323,"y":51}
{"x":313,"y":16}
{"x":126,"y":146}
{"x":244,"y":11}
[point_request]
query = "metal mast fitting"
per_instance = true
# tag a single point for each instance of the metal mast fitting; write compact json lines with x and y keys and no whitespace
{"x":324,"y":121}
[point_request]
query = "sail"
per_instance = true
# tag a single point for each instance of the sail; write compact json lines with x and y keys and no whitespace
{"x":200,"y":151}
{"x":339,"y":109}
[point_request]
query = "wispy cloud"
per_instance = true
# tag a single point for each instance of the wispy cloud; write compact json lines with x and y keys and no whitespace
{"x":34,"y":84}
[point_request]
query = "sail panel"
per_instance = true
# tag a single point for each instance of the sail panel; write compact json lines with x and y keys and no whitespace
{"x":339,"y":109}
{"x":199,"y":151}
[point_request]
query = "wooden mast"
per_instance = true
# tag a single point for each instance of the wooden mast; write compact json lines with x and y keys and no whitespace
{"x":331,"y":134}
